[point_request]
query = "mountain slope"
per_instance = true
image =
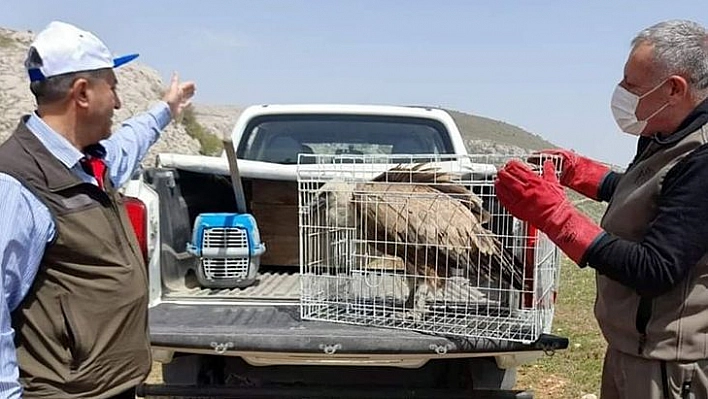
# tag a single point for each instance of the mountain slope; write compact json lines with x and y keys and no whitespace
{"x":139,"y":87}
{"x":486,"y":136}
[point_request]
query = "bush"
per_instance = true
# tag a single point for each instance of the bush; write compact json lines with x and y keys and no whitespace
{"x":210,"y":143}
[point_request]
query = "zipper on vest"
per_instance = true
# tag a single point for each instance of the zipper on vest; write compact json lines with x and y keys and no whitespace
{"x":125,"y":243}
{"x":117,"y":226}
{"x":642,"y":342}
{"x":643,"y":316}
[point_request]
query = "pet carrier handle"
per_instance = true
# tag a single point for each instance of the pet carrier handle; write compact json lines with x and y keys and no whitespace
{"x":235,"y":176}
{"x":529,"y":264}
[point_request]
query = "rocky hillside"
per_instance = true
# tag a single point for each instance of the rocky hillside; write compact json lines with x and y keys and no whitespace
{"x":140,"y":86}
{"x":217,"y":119}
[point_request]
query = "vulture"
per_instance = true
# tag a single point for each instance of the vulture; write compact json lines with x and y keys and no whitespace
{"x":420,"y":215}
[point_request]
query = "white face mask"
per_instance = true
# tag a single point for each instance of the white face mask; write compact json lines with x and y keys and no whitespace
{"x":624,"y":108}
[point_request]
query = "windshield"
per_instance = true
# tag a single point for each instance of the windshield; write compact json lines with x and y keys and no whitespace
{"x":281,"y":138}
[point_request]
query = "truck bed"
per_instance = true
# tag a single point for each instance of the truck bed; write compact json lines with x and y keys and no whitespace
{"x":285,"y":286}
{"x":264,"y":319}
{"x":270,"y":286}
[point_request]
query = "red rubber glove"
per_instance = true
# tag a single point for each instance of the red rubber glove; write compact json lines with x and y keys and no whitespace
{"x":540,"y":200}
{"x":578,"y":173}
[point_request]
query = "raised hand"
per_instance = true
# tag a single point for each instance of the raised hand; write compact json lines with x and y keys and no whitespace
{"x":178,"y":95}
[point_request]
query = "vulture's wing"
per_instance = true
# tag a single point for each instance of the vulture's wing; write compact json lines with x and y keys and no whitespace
{"x":441,"y":181}
{"x":436,"y":235}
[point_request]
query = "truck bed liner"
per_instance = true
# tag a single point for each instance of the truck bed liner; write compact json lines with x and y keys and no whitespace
{"x":269,"y":286}
{"x":286,"y":286}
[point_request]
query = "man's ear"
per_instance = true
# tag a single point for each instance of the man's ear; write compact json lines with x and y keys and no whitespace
{"x":80,"y":92}
{"x":679,"y":88}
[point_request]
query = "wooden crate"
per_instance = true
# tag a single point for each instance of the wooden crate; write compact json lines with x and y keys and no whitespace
{"x":274,"y":204}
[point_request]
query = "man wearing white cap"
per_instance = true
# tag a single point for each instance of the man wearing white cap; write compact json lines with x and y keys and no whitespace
{"x":73,"y":283}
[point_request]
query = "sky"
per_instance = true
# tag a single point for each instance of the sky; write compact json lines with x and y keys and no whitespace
{"x":546,"y":66}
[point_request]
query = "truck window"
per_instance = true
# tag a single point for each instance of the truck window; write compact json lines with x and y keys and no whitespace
{"x":281,"y":138}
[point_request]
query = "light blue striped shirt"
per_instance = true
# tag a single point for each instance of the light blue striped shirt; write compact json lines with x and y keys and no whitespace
{"x":26,"y":224}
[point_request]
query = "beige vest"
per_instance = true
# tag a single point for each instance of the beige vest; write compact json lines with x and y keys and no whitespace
{"x":677,"y":327}
{"x":82,"y":329}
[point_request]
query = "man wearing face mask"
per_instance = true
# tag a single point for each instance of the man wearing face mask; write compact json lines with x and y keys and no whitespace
{"x":650,"y":252}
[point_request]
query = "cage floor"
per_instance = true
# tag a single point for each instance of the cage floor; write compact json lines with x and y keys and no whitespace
{"x":491,"y":324}
{"x":363,"y":286}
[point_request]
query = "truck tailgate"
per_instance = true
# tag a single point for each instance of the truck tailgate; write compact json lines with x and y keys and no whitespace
{"x":229,"y":329}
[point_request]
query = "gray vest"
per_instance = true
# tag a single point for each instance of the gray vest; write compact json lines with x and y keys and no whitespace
{"x":82,"y":329}
{"x":678,"y":324}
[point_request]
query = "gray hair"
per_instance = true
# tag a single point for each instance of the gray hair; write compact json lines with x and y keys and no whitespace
{"x":56,"y":88}
{"x":680,"y":48}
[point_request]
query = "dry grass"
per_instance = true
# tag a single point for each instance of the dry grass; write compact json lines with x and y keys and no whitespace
{"x":574,"y":372}
{"x":155,"y":376}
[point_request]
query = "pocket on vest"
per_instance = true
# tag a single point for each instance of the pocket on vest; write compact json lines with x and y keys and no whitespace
{"x":72,"y":331}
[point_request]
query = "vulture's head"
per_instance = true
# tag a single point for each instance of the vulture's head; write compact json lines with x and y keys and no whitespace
{"x":333,"y":202}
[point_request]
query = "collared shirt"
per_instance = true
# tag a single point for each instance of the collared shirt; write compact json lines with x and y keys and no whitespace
{"x":26,"y":225}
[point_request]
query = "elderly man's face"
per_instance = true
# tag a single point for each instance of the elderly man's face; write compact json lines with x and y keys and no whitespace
{"x":641,"y":77}
{"x":103,"y":100}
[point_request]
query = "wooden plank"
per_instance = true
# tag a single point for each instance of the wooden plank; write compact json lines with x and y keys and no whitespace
{"x":274,"y":204}
{"x":276,"y":219}
{"x":274,"y":192}
{"x":281,"y":250}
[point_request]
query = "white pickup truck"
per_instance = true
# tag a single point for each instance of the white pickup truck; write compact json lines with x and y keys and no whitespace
{"x":231,"y":326}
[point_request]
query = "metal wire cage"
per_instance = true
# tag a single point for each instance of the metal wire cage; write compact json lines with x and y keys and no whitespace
{"x":420,"y":242}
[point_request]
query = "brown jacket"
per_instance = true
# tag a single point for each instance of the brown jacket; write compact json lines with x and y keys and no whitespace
{"x":82,"y":329}
{"x":677,"y":325}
